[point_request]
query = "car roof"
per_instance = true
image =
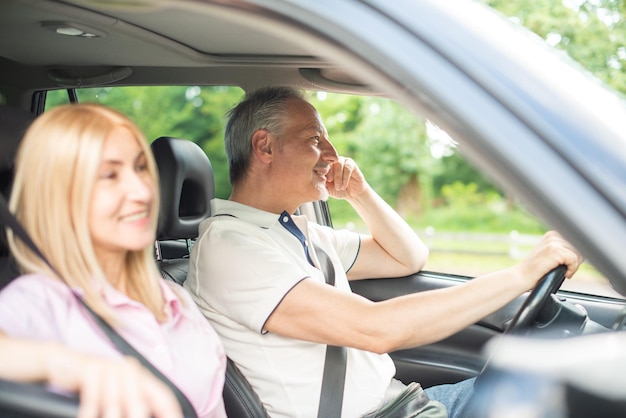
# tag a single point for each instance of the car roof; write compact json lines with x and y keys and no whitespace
{"x":180,"y":42}
{"x":540,"y":126}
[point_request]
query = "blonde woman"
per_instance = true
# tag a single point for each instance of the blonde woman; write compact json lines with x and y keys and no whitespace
{"x":86,"y":191}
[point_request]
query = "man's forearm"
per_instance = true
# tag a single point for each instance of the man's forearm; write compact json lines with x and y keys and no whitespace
{"x":390,"y":231}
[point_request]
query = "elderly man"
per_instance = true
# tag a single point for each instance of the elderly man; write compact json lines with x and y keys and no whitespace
{"x":258,"y":272}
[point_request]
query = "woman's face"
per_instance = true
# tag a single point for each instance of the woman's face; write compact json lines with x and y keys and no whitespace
{"x":120,"y":217}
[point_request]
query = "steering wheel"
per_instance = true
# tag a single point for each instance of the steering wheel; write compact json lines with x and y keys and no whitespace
{"x":528,"y":312}
{"x":531,"y":307}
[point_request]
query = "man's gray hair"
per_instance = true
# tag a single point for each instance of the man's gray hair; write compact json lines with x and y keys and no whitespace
{"x":262,"y":109}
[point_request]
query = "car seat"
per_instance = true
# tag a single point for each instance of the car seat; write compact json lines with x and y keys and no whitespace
{"x":13,"y":124}
{"x":187,"y":187}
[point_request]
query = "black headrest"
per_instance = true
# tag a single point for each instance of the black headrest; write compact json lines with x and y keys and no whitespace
{"x":187,"y":187}
{"x":13,"y":124}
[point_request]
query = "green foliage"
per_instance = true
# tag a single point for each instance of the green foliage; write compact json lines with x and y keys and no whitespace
{"x":592,"y":32}
{"x":392,"y":146}
{"x":342,"y":113}
{"x":194,"y":113}
{"x":454,"y":168}
{"x":343,"y":214}
{"x":465,"y":208}
{"x":479,"y":219}
{"x":463,"y":195}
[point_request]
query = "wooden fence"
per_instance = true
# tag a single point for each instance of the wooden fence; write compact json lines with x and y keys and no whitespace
{"x":513,"y":244}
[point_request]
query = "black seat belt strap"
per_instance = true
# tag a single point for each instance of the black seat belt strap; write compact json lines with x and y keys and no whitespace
{"x":129,"y":350}
{"x":10,"y":222}
{"x":334,"y":377}
{"x":7,"y":218}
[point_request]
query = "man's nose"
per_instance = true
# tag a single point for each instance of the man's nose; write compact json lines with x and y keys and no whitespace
{"x":329,"y":153}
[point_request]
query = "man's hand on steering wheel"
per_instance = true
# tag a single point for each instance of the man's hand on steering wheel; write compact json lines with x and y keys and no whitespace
{"x":550,"y":262}
{"x":551,"y":252}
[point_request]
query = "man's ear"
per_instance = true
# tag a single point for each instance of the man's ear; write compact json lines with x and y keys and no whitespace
{"x":262,"y":142}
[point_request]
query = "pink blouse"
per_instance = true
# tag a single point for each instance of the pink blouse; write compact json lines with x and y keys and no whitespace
{"x":185,"y":347}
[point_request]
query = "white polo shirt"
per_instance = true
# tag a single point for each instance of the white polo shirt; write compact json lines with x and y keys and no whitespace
{"x":242,"y":265}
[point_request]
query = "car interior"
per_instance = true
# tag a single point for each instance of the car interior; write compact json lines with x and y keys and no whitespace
{"x":51,"y":46}
{"x":186,"y":188}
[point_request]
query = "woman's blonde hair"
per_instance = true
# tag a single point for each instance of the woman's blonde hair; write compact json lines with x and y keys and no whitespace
{"x":56,"y":169}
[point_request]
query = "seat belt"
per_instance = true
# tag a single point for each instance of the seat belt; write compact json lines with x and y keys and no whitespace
{"x":127,"y":349}
{"x":9,"y":221}
{"x":334,"y":377}
{"x":334,"y":374}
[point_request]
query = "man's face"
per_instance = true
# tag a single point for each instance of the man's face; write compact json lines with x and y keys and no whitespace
{"x":305,"y":154}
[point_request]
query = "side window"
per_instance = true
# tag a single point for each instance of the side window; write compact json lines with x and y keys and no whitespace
{"x":190,"y":112}
{"x":470,"y":226}
{"x":56,"y":98}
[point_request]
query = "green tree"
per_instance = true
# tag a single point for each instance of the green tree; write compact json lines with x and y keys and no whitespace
{"x":195,"y":113}
{"x":592,"y":32}
{"x":454,"y":168}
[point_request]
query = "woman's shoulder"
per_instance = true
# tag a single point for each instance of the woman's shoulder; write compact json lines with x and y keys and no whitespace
{"x":30,"y":305}
{"x":34,"y":285}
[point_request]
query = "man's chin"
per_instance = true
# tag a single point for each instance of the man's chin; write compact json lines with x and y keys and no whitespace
{"x":324,"y":195}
